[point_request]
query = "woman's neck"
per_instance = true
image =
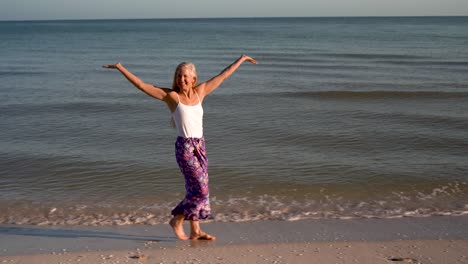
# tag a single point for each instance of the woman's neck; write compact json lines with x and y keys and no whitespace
{"x":189,"y":96}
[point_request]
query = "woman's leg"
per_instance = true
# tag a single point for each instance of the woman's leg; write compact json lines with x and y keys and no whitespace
{"x":197,"y":234}
{"x":193,"y":163}
{"x":177,"y":224}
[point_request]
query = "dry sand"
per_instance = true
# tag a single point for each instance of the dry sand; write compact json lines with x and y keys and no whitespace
{"x":418,"y":251}
{"x":435,"y":240}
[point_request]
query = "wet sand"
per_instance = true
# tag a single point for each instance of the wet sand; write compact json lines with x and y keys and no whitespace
{"x":404,"y":240}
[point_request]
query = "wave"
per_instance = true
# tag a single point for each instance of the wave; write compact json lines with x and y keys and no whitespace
{"x":22,"y":73}
{"x":357,"y":61}
{"x":425,"y":62}
{"x":392,"y":59}
{"x":447,"y":199}
{"x":82,"y":107}
{"x":369,"y":56}
{"x":385,"y":94}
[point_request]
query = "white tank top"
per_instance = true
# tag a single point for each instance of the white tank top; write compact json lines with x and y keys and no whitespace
{"x":188,"y":119}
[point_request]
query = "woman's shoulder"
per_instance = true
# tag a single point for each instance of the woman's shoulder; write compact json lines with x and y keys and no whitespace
{"x":199,"y":90}
{"x":171,"y":94}
{"x":172,"y":99}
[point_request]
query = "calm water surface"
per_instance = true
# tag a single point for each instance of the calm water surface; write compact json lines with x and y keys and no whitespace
{"x":343,"y":117}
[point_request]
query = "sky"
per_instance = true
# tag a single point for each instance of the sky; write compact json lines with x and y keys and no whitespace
{"x":123,"y":9}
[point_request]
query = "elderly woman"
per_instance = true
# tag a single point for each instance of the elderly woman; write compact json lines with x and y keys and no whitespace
{"x":185,"y":103}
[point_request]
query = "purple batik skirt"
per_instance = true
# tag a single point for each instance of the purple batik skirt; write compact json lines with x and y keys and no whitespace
{"x":193,"y":163}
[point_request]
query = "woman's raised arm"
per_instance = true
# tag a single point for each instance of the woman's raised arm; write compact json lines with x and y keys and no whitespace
{"x":210,"y":85}
{"x":149,"y":89}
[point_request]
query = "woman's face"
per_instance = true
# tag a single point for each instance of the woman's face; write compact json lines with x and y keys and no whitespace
{"x":185,"y":79}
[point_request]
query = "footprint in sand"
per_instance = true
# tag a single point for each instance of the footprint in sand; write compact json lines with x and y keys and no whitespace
{"x":407,"y":260}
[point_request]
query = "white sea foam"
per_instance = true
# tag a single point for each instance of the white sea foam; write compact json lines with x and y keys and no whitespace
{"x":446,"y":200}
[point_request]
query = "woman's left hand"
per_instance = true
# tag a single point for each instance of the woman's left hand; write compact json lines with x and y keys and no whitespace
{"x":249,"y":59}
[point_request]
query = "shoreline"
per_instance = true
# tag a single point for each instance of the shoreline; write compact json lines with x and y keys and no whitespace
{"x":428,"y":239}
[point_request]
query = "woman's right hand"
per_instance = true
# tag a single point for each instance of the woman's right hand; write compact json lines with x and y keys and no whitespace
{"x":112,"y":66}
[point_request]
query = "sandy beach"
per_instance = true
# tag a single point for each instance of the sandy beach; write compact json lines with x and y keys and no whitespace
{"x":413,"y":251}
{"x":403,"y":240}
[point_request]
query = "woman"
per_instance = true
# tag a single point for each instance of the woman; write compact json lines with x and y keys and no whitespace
{"x":185,"y":103}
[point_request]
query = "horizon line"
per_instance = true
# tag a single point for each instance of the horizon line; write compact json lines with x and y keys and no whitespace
{"x":207,"y":18}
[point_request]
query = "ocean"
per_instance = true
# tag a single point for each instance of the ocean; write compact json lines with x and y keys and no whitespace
{"x":353,"y":117}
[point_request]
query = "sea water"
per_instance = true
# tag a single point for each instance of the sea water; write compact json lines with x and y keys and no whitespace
{"x":341,"y":118}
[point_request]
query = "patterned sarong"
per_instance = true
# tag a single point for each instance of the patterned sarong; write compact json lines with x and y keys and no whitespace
{"x":193,"y":163}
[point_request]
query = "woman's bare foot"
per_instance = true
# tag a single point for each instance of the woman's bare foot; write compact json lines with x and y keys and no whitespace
{"x":177,"y":224}
{"x":202,"y":236}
